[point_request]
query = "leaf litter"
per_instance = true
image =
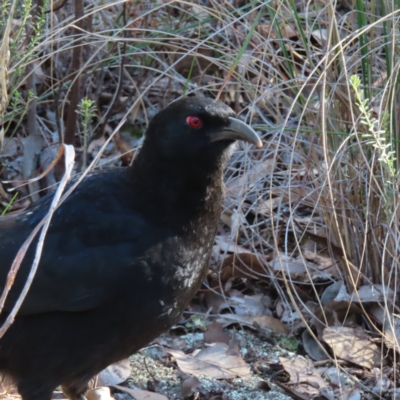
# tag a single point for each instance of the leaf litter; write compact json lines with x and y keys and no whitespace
{"x":248,"y":265}
{"x":217,"y":361}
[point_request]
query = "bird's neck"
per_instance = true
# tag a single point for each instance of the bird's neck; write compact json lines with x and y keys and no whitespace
{"x":178,"y":193}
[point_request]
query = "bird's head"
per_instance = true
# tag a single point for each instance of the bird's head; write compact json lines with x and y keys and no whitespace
{"x":196,"y":128}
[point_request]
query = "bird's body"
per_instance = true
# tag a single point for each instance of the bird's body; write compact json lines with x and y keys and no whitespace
{"x":124,"y":255}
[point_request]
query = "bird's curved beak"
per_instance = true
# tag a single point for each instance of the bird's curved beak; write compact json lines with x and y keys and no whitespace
{"x":237,"y":130}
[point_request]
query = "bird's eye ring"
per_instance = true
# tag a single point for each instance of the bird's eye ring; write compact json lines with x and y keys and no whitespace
{"x":194,"y":122}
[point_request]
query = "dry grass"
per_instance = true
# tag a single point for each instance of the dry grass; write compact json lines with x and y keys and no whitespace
{"x":322,"y":193}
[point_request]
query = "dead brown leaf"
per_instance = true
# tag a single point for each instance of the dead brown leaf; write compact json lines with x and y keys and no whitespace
{"x":252,"y":321}
{"x":312,"y":348}
{"x":301,"y":268}
{"x":115,"y":373}
{"x":141,"y":394}
{"x":189,"y":386}
{"x":215,"y":301}
{"x":324,"y":262}
{"x":294,"y":394}
{"x":351,"y":394}
{"x":242,"y":265}
{"x":217,"y":361}
{"x":390,"y":326}
{"x":286,"y":30}
{"x":373,"y":294}
{"x":100,"y":393}
{"x":337,"y":313}
{"x":215,"y":334}
{"x":268,"y":205}
{"x":352,"y":345}
{"x":251,"y":305}
{"x":225,"y":245}
{"x":337,"y":309}
{"x":302,"y":373}
{"x":124,"y":148}
{"x":291,"y":266}
{"x":236,"y":186}
{"x":321,"y":36}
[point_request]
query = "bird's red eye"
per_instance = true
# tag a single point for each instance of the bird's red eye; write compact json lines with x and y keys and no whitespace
{"x":194,"y":122}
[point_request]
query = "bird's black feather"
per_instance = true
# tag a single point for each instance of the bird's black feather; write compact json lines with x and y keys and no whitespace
{"x":123,"y":256}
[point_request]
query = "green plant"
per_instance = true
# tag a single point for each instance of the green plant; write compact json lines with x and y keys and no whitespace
{"x":377,"y":138}
{"x":87,"y":110}
{"x":6,"y":208}
{"x":197,"y":322}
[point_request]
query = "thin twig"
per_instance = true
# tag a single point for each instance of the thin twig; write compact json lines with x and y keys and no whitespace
{"x":45,"y":222}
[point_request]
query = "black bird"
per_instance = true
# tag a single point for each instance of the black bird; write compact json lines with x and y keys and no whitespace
{"x":124,"y":254}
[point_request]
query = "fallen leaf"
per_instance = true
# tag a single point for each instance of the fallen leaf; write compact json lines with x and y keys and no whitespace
{"x":352,"y":345}
{"x":251,"y":305}
{"x":96,"y":144}
{"x":236,"y":186}
{"x":395,"y":393}
{"x":288,"y":31}
{"x":336,"y":376}
{"x":303,"y":375}
{"x":289,"y":265}
{"x":351,"y":394}
{"x":337,"y":309}
{"x":285,"y":30}
{"x":141,"y":394}
{"x":185,"y":64}
{"x":217,"y":361}
{"x":300,"y":267}
{"x":373,"y":294}
{"x":115,"y":373}
{"x":383,"y":382}
{"x":189,"y":386}
{"x":337,"y":291}
{"x":251,"y":321}
{"x":242,"y":265}
{"x":225,"y":245}
{"x":124,"y":148}
{"x":267,"y":206}
{"x":215,"y":334}
{"x":390,"y":326}
{"x":215,"y":301}
{"x":326,"y":264}
{"x":320,"y":35}
{"x":7,"y":385}
{"x":100,"y":393}
{"x":294,"y":394}
{"x":327,"y":393}
{"x":312,"y":348}
{"x":337,"y":313}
